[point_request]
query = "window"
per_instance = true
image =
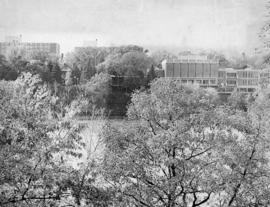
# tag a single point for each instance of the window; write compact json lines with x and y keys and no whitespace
{"x":242,"y":90}
{"x":231,"y":75}
{"x":206,"y":82}
{"x":231,"y":82}
{"x":221,"y":74}
{"x":242,"y":74}
{"x":221,"y":89}
{"x":198,"y":81}
{"x":184,"y":81}
{"x":212,"y":81}
{"x":252,"y":74}
{"x":242,"y":82}
{"x":252,"y":82}
{"x":229,"y":89}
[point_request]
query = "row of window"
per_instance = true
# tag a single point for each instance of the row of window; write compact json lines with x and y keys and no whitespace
{"x":230,"y":89}
{"x":244,"y":82}
{"x":265,"y":75}
{"x":248,"y":74}
{"x":231,"y":82}
{"x":47,"y":47}
{"x":238,"y":74}
{"x":204,"y":82}
{"x":37,"y":46}
{"x":246,"y":89}
{"x":231,"y":75}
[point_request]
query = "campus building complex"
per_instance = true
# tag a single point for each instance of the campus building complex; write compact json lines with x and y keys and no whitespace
{"x":14,"y":43}
{"x":206,"y":73}
{"x":192,"y":70}
{"x":243,"y":80}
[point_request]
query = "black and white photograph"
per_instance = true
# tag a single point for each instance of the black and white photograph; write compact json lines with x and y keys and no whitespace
{"x":134,"y":103}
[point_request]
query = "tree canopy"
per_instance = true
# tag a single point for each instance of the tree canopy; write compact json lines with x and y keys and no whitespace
{"x":186,"y":148}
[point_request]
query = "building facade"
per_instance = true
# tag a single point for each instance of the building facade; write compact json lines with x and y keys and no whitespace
{"x":14,"y":44}
{"x":243,"y":80}
{"x":207,"y":73}
{"x":192,"y":70}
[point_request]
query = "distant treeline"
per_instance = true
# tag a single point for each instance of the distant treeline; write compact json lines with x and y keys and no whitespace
{"x":112,"y":72}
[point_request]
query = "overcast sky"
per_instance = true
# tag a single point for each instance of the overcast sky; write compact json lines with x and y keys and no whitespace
{"x":216,"y":24}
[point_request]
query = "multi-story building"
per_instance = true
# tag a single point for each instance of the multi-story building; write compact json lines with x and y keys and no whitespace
{"x":198,"y":70}
{"x":15,"y":43}
{"x":207,"y":73}
{"x":52,"y":49}
{"x":243,"y":80}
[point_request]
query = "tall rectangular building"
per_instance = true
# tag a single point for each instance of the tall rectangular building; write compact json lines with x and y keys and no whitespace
{"x":192,"y":69}
{"x":52,"y":49}
{"x":13,"y":43}
{"x":207,"y":73}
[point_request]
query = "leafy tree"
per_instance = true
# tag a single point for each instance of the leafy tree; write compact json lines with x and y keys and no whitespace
{"x":159,"y":56}
{"x":165,"y":158}
{"x":5,"y":69}
{"x":132,"y":66}
{"x":55,"y":72}
{"x":125,"y":49}
{"x":239,"y":101}
{"x":134,"y":61}
{"x":128,"y":72}
{"x":75,"y":75}
{"x":93,"y":94}
{"x":151,"y":75}
{"x":98,"y":89}
{"x":86,"y":184}
{"x":34,"y":149}
{"x":110,"y":65}
{"x":39,"y":152}
{"x":265,"y":28}
{"x":245,"y":156}
{"x":85,"y":60}
{"x":185,"y":148}
{"x":17,"y":59}
{"x":3,"y":60}
{"x":7,"y":73}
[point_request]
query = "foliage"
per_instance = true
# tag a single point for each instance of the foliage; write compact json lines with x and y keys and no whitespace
{"x":125,"y":49}
{"x":33,"y":147}
{"x":185,"y":148}
{"x":110,"y":64}
{"x":157,"y":160}
{"x":7,"y":73}
{"x":85,"y":60}
{"x":82,"y":99}
{"x":159,"y":56}
{"x":130,"y":67}
{"x":239,"y":101}
{"x":97,"y":89}
{"x":247,"y":180}
{"x":75,"y":75}
{"x":87,"y":185}
{"x":128,"y":71}
{"x":39,"y":152}
{"x":151,"y":75}
{"x":127,"y":64}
